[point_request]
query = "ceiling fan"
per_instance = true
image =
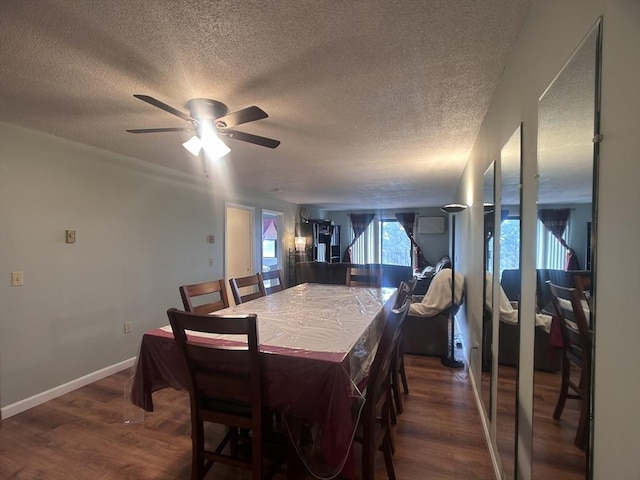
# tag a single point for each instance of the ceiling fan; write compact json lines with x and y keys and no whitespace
{"x":204,"y":115}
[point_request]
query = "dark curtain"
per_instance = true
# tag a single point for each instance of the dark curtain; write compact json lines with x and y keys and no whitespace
{"x":555,"y":220}
{"x":407,"y":220}
{"x":359,"y":223}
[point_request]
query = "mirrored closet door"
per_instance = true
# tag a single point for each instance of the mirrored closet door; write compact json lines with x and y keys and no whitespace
{"x":487,"y":317}
{"x":506,"y":300}
{"x":565,"y":294}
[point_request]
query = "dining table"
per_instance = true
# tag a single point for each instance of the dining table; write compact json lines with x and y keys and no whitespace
{"x":317,"y":343}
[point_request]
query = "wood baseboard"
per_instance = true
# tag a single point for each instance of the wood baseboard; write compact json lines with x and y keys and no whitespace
{"x":40,"y":398}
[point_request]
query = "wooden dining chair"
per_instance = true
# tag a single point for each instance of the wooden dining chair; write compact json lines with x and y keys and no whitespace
{"x":272,"y":281}
{"x":251,"y":282}
{"x":576,"y":354}
{"x":374,"y":429}
{"x":398,"y":373}
{"x":363,"y":276}
{"x":582,"y":282}
{"x":230,"y":396}
{"x":206,"y":291}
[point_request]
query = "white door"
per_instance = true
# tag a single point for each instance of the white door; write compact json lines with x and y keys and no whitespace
{"x":238,"y":242}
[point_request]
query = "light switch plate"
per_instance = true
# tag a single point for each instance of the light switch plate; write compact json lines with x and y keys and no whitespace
{"x":17,"y":279}
{"x":70,"y":236}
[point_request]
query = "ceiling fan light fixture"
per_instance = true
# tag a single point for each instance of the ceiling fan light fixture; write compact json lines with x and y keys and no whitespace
{"x":194,"y":145}
{"x":214,"y":147}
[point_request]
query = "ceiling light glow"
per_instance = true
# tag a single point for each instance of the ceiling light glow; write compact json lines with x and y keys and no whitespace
{"x":193,"y":145}
{"x":208,"y":141}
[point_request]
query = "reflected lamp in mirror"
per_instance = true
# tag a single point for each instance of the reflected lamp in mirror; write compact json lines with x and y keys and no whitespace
{"x":453,"y":208}
{"x":300,"y":244}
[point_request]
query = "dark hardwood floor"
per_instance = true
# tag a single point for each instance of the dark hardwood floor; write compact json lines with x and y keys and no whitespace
{"x":81,"y":435}
{"x":555,"y":457}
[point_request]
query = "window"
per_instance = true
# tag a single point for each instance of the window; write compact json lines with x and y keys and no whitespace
{"x":395,"y":246}
{"x":550,"y":252}
{"x":384,"y":241}
{"x":509,"y":244}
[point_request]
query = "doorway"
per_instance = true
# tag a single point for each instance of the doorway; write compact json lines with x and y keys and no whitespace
{"x":272,"y":252}
{"x":238,"y":242}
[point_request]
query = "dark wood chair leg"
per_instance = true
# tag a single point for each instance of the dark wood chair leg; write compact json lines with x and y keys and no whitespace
{"x":564,"y":389}
{"x":403,"y":377}
{"x":387,"y":450}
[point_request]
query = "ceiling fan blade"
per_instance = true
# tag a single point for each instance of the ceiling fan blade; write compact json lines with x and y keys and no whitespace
{"x":164,"y":106}
{"x":245,"y":115}
{"x":248,"y":137}
{"x":159,"y":130}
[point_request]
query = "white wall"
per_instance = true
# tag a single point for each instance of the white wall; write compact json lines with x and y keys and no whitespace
{"x":141,"y":232}
{"x":553,"y":29}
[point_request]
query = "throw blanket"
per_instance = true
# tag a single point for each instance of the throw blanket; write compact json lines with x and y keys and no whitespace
{"x":438,"y":297}
{"x":508,"y":314}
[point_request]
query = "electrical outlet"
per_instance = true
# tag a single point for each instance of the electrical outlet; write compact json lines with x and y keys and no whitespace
{"x":211,"y":239}
{"x":17,"y":279}
{"x":210,"y":262}
{"x":127,"y":327}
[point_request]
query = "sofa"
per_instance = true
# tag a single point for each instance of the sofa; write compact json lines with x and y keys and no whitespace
{"x":336,"y":273}
{"x":427,"y":336}
{"x":510,"y":282}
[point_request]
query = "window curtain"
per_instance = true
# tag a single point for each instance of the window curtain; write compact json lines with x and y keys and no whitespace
{"x":555,"y":220}
{"x":407,"y":220}
{"x":359,"y":223}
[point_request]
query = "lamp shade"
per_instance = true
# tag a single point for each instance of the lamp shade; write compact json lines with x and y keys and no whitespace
{"x":300,"y":244}
{"x":453,"y":208}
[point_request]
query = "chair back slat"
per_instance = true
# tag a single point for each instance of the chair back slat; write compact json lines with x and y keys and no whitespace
{"x":241,"y":284}
{"x":274,"y":279}
{"x":206,"y":290}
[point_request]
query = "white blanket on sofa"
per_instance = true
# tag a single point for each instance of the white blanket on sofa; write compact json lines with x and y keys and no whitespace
{"x":438,"y":297}
{"x":508,"y":314}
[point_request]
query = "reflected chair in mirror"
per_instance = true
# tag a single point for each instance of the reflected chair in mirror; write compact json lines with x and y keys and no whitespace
{"x":576,"y":355}
{"x":363,"y":277}
{"x":272,"y":281}
{"x":206,"y":291}
{"x":374,"y":429}
{"x":582,"y":282}
{"x":251,"y":282}
{"x":398,"y":373}
{"x":231,"y":396}
{"x":413,"y":283}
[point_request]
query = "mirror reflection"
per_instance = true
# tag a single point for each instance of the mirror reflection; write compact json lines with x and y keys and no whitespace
{"x":487,"y":330}
{"x":564,"y":266}
{"x":507,"y":300}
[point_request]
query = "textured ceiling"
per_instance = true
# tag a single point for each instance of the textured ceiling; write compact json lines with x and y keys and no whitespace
{"x":376,"y":103}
